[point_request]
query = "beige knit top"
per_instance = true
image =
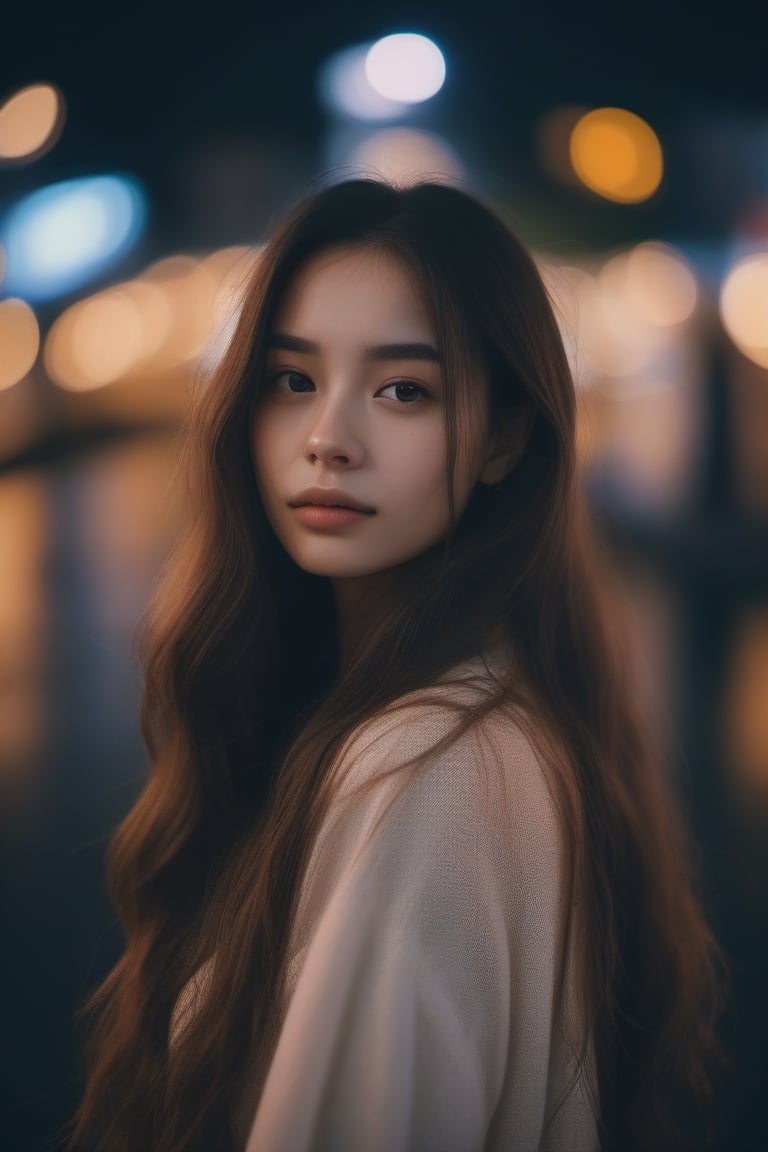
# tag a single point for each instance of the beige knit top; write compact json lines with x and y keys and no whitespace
{"x":432,"y":1002}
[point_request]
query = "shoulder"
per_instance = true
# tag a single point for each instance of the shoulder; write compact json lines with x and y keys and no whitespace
{"x":466,"y":837}
{"x":464,"y":850}
{"x":411,"y":763}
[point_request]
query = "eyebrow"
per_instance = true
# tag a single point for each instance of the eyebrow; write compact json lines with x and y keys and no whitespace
{"x":413,"y":351}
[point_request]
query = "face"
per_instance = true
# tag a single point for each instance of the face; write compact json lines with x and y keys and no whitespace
{"x":354,"y":401}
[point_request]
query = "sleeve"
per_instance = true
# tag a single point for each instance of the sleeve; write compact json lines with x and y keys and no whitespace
{"x":397,"y":1035}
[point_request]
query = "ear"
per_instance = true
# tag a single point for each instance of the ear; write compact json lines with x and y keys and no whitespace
{"x":507,"y":445}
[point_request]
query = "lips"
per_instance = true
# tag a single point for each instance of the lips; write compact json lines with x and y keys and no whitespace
{"x":330,"y":498}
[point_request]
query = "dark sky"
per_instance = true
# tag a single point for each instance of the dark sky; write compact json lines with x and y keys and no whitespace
{"x":146,"y":84}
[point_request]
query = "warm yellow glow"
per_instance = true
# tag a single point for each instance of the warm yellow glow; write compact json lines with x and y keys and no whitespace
{"x":623,"y":343}
{"x":603,"y":335}
{"x":127,"y":511}
{"x":189,"y":287}
{"x":160,"y":322}
{"x":406,"y":156}
{"x":661,"y":284}
{"x":170,"y":268}
{"x":151,"y":305}
{"x":745,"y":711}
{"x":106,"y":337}
{"x":609,"y":329}
{"x":224,"y":261}
{"x":30,"y":122}
{"x":99,"y":340}
{"x":25,"y":552}
{"x":654,"y":281}
{"x":232,"y":270}
{"x":617,"y":155}
{"x":19,"y":341}
{"x":151,"y":325}
{"x":744,"y":307}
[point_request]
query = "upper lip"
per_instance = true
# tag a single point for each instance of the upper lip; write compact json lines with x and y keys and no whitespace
{"x":329,"y":497}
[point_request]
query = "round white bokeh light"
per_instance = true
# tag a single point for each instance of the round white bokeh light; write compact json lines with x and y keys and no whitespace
{"x":345,"y":89}
{"x":405,"y":67}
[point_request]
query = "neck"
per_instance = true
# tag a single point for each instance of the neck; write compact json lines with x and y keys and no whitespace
{"x":357,"y":599}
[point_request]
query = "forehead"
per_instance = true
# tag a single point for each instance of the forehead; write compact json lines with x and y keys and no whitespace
{"x":365,"y":295}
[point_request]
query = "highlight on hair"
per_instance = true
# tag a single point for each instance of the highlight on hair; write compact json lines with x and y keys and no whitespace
{"x":246,"y":709}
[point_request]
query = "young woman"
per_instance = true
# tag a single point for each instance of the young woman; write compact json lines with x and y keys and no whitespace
{"x":403,"y":875}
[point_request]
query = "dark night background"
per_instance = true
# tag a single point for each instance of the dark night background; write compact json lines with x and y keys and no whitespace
{"x":214,"y":109}
{"x":149,"y":86}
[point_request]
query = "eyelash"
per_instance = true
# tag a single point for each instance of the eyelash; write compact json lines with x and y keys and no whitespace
{"x":423,"y":394}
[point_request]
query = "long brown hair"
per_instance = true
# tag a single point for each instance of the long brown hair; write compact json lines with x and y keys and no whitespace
{"x":245,"y":710}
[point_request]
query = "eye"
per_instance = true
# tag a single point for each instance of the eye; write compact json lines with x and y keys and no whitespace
{"x":293,"y":381}
{"x":414,"y":393}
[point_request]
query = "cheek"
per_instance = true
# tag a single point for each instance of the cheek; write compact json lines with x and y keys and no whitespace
{"x":419,"y":475}
{"x":422,"y":456}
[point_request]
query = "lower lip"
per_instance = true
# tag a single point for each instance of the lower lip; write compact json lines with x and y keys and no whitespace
{"x":317,"y":516}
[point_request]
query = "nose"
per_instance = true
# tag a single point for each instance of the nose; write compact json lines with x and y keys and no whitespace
{"x":333,"y":437}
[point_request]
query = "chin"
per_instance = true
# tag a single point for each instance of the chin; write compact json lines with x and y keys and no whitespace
{"x":339,"y":567}
{"x":337,"y":571}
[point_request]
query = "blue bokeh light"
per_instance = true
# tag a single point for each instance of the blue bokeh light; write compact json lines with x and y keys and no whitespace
{"x":58,"y":238}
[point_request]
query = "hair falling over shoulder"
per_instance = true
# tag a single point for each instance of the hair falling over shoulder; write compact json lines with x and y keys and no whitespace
{"x":244,"y":711}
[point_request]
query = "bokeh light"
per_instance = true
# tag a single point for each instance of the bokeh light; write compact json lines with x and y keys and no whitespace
{"x":656,"y":281}
{"x":604,"y":337}
{"x":744,"y":306}
{"x":405,"y":67}
{"x":19,"y":341}
{"x":153,"y":310}
{"x":624,"y":342}
{"x":345,"y":90}
{"x":407,"y":155}
{"x":93,"y":342}
{"x":189,"y":286}
{"x":231,"y":269}
{"x":178,"y":314}
{"x":745,"y":713}
{"x":636,"y":369}
{"x":616,"y":154}
{"x":26,"y":531}
{"x":620,"y":319}
{"x":30,"y":122}
{"x":106,"y":337}
{"x":60,"y":237}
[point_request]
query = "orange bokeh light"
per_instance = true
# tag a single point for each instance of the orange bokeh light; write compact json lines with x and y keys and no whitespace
{"x":30,"y":122}
{"x":19,"y":340}
{"x":617,"y":155}
{"x":744,"y":306}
